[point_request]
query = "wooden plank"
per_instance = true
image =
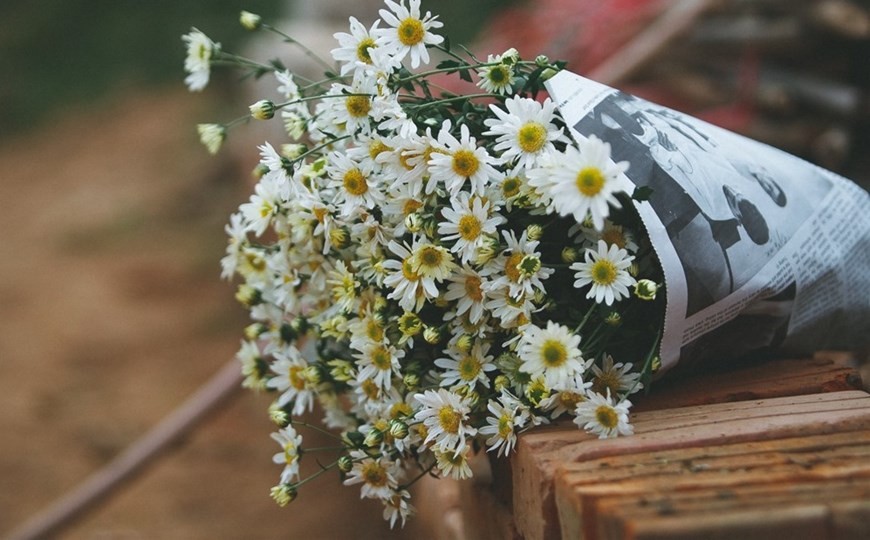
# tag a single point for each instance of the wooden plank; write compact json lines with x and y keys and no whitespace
{"x":541,"y":452}
{"x":827,"y":371}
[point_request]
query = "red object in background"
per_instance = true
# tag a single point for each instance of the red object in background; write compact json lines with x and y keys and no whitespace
{"x":583,"y":32}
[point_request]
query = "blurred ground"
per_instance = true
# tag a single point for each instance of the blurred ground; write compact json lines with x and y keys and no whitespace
{"x":113,"y":314}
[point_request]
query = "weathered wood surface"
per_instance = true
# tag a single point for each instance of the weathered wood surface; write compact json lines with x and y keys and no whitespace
{"x":544,"y":454}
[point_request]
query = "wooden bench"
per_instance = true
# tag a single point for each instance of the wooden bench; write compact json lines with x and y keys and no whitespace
{"x":780,"y":449}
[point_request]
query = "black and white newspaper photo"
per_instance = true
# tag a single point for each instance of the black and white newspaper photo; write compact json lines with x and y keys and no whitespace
{"x":754,"y":242}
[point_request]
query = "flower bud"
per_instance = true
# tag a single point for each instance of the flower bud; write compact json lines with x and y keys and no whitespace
{"x":534,"y":232}
{"x":255,"y":330}
{"x":259,"y":171}
{"x":248,"y":296}
{"x":542,"y":60}
{"x":613,"y":319}
{"x":464,"y":343}
{"x":339,"y":238}
{"x":374,"y":438}
{"x":432,"y":335}
{"x":278,"y":415}
{"x":211,"y":136}
{"x":414,"y":223}
{"x":501,"y":382}
{"x":646,"y":289}
{"x":345,"y":464}
{"x":250,"y":21}
{"x":398,"y":429}
{"x":570,"y":255}
{"x":283,"y":494}
{"x":411,"y":380}
{"x":293,"y":151}
{"x":262,"y":110}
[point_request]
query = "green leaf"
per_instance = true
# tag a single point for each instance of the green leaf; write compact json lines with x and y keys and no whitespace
{"x":448,"y":64}
{"x":642,"y":193}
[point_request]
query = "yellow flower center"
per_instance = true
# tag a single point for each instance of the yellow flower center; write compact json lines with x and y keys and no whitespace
{"x":532,"y":137}
{"x":510,"y":187}
{"x":290,"y":453}
{"x":553,"y":353}
{"x":498,"y":75}
{"x":469,"y":227}
{"x":297,"y":380}
{"x":505,"y":426}
{"x":569,"y":400}
{"x":374,"y":474}
{"x":607,"y":379}
{"x":362,"y":50}
{"x":411,"y":206}
{"x":472,"y":288}
{"x":266,"y":209}
{"x":511,"y":269}
{"x":403,"y":160}
{"x":606,"y":416}
{"x":320,"y":214}
{"x":615,"y":236}
{"x":377,"y":147}
{"x":355,"y":182}
{"x":411,"y":31}
{"x":374,"y":331}
{"x":370,"y":389}
{"x":603,"y":272}
{"x":465,"y":163}
{"x":381,"y":358}
{"x":469,"y":368}
{"x":408,"y":270}
{"x":358,"y":106}
{"x":590,"y":180}
{"x":400,"y":410}
{"x":430,"y":257}
{"x":449,"y":419}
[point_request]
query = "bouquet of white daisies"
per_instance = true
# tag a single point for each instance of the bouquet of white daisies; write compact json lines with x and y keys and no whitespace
{"x":436,"y":271}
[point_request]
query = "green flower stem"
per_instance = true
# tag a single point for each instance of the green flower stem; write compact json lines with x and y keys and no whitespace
{"x":225,"y":58}
{"x":322,"y":470}
{"x":316,"y":428}
{"x":308,"y":52}
{"x":456,"y":98}
{"x":320,"y":147}
{"x":418,"y":477}
{"x":585,"y":318}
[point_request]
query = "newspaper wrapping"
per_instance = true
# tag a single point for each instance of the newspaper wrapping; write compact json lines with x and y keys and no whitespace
{"x":761,"y":250}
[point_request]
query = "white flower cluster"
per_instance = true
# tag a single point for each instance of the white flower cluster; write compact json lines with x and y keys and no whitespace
{"x":456,"y":269}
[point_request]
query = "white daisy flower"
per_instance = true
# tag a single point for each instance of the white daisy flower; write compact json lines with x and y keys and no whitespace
{"x":618,"y":379}
{"x":466,"y":369}
{"x":263,"y":205}
{"x":525,"y":131}
{"x":452,"y":464}
{"x":512,"y":311}
{"x":461,"y":162}
{"x":523,"y":272}
{"x":356,"y":187}
{"x":290,"y":379}
{"x":197,"y":64}
{"x":379,"y":477}
{"x":565,"y":398}
{"x":445,"y":416}
{"x":498,"y":78}
{"x":398,"y":506}
{"x":507,"y":414}
{"x":581,"y":181}
{"x":433,"y":264}
{"x":466,"y":288}
{"x":344,"y":286}
{"x":599,"y":415}
{"x":379,"y":362}
{"x":613,"y":234}
{"x":607,"y":270}
{"x":466,"y":224}
{"x":290,"y":442}
{"x":552,"y":352}
{"x":237,"y":236}
{"x":406,"y":284}
{"x":355,"y":49}
{"x":409,"y":34}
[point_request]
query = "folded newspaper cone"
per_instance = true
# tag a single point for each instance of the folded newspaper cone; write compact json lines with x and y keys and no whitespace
{"x":760,"y":249}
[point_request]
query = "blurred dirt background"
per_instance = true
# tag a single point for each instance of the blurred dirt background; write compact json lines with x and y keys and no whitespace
{"x":111,"y":310}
